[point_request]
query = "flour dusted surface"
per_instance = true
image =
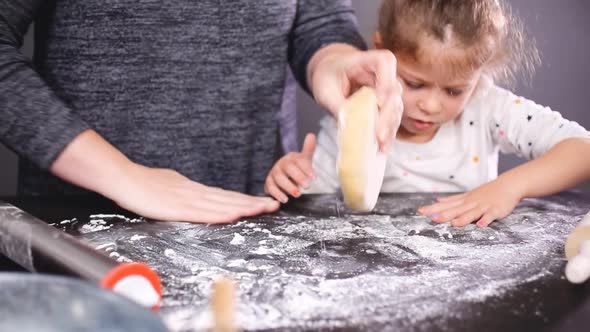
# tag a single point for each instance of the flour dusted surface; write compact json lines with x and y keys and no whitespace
{"x":317,"y":266}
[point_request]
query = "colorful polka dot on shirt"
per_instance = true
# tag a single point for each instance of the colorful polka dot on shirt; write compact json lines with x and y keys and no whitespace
{"x":502,"y":133}
{"x":517,"y":101}
{"x":406,"y":173}
{"x":476,"y":159}
{"x":418,"y":158}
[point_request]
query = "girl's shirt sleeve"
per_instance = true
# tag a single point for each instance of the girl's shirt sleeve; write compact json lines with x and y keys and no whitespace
{"x":525,"y":128}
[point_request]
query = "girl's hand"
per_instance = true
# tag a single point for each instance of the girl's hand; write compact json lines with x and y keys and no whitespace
{"x":292,"y":172}
{"x":491,"y":201}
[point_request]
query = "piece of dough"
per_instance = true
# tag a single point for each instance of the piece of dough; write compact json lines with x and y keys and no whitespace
{"x":361,"y":165}
{"x":577,"y":252}
{"x":223,"y":306}
{"x":577,"y":270}
{"x":580,"y":234}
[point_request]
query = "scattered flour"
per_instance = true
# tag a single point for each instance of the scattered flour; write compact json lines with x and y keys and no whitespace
{"x":388,"y":270}
{"x":237,"y":240}
{"x":95,"y":226}
{"x":98,"y":222}
{"x":237,"y":263}
{"x":137,"y":237}
{"x":107,"y":216}
{"x":262,"y":250}
{"x":67,"y":221}
{"x":107,"y":246}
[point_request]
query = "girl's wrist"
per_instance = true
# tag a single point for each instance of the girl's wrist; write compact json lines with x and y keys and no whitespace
{"x":515,"y":183}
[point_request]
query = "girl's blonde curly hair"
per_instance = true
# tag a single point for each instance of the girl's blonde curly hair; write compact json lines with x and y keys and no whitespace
{"x":486,"y":32}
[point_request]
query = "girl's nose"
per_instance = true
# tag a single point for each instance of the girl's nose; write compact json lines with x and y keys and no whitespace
{"x":430,"y":103}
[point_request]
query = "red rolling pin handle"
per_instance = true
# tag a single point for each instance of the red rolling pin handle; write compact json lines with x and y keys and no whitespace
{"x":136,"y":281}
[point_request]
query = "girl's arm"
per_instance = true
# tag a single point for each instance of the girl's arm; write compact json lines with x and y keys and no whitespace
{"x":563,"y":166}
{"x":292,"y":173}
{"x":311,"y":171}
{"x":559,"y":149}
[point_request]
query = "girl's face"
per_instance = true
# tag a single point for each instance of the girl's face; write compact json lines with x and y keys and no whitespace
{"x":432,"y":94}
{"x":431,"y":97}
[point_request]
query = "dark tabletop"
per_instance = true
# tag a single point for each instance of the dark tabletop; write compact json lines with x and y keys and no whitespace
{"x":388,"y":269}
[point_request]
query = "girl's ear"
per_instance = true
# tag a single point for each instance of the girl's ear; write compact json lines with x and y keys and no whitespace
{"x":377,"y":41}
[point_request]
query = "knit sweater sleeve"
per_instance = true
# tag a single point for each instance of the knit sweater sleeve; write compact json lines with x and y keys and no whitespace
{"x":319,"y":23}
{"x":34,"y":123}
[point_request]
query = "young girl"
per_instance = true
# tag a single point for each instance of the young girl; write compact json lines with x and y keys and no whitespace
{"x":455,"y":119}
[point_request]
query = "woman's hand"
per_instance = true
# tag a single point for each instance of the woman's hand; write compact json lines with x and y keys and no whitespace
{"x":336,"y":71}
{"x":91,"y":162}
{"x":164,"y":194}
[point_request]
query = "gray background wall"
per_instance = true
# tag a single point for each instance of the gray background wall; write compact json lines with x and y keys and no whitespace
{"x":562,"y":82}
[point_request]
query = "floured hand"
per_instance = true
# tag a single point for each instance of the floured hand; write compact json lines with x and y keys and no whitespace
{"x":292,"y":172}
{"x":491,"y":201}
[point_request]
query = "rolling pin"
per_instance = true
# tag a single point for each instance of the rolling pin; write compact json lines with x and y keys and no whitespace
{"x":577,"y":252}
{"x":38,"y":247}
{"x":360,"y":164}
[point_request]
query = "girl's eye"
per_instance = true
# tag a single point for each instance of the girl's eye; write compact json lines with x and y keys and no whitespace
{"x":454,"y":92}
{"x":413,"y":85}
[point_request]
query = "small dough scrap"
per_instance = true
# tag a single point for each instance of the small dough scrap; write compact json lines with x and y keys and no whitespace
{"x":577,"y":270}
{"x":580,"y":234}
{"x":361,"y":165}
{"x":223,"y":305}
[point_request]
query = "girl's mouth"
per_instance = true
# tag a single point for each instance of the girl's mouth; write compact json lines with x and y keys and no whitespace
{"x":421,"y":125}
